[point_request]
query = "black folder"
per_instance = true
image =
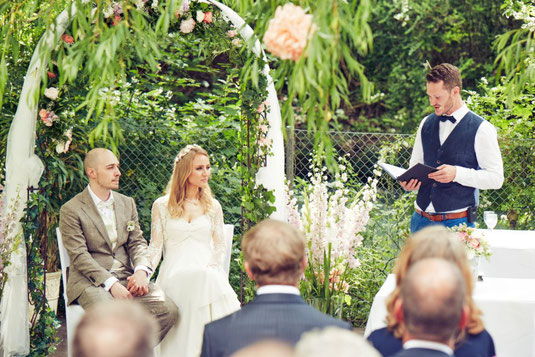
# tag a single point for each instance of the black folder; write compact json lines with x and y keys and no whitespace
{"x":418,"y":171}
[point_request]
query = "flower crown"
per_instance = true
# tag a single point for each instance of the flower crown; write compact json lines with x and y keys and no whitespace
{"x":186,"y":151}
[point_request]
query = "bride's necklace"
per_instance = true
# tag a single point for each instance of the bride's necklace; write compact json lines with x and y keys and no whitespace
{"x":194,"y":202}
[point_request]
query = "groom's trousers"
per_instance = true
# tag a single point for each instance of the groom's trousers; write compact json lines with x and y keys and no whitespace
{"x":155,"y":302}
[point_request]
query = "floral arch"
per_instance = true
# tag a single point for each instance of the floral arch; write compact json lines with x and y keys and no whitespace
{"x":24,"y":168}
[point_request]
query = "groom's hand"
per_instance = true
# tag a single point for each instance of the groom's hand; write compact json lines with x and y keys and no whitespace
{"x":120,"y":292}
{"x":138,"y":283}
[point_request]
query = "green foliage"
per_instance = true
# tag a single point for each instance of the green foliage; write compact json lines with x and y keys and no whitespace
{"x":516,"y":48}
{"x":319,"y":82}
{"x":515,"y":123}
{"x":409,"y":34}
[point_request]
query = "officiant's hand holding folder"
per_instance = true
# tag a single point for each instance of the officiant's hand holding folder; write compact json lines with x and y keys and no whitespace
{"x":418,"y":172}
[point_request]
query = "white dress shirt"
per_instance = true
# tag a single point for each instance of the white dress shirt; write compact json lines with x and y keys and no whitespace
{"x":489,"y":158}
{"x":107,"y":213}
{"x":277,"y":289}
{"x":429,"y":345}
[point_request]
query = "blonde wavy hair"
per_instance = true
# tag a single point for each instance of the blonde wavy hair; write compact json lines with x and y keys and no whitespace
{"x":433,"y":242}
{"x":176,"y":188}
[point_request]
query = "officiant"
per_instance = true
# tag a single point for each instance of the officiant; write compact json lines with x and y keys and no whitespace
{"x":462,"y":146}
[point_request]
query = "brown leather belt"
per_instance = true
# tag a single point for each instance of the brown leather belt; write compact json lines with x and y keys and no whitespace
{"x":439,"y":217}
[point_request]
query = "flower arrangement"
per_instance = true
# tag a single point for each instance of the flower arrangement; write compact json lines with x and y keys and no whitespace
{"x":332,"y":216}
{"x":474,"y":241}
{"x":8,"y":241}
{"x":288,"y":32}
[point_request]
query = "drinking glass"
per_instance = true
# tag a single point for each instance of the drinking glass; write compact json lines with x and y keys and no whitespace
{"x":491,"y":219}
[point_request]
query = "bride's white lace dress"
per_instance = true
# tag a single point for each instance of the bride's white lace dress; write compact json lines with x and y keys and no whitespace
{"x":191,"y":274}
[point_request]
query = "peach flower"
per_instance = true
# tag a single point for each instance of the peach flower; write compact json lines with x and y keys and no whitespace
{"x":186,"y":26}
{"x":67,"y":38}
{"x":208,"y":17}
{"x":288,"y":32}
{"x":45,"y":118}
{"x":232,"y":33}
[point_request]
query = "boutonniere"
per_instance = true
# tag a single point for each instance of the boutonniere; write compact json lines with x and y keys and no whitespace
{"x":130,"y":226}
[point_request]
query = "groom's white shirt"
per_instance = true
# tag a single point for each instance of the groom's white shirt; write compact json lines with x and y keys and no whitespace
{"x":277,"y":289}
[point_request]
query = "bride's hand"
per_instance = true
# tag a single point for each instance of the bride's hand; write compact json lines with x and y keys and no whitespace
{"x":138,"y":284}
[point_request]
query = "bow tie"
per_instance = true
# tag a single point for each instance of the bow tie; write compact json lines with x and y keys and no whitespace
{"x":447,"y":117}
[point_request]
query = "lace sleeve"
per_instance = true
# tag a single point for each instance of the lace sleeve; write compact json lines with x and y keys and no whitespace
{"x":218,"y":239}
{"x":156,"y":233}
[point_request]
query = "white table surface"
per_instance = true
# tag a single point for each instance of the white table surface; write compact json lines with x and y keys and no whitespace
{"x":508,"y":307}
{"x":513,"y":254}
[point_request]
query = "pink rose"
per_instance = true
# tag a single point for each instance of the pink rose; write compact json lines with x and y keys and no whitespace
{"x":67,"y":38}
{"x":288,"y":32}
{"x":116,"y":20}
{"x":208,"y":17}
{"x":45,"y":117}
{"x":232,"y":33}
{"x":186,"y":26}
{"x":474,"y":242}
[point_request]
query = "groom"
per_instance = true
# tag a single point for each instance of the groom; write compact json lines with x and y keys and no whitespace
{"x":109,"y":256}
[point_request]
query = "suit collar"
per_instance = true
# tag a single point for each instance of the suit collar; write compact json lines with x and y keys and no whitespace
{"x":90,"y":209}
{"x":277,"y":299}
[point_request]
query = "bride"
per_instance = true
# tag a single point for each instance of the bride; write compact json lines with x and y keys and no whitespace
{"x":187,"y":224}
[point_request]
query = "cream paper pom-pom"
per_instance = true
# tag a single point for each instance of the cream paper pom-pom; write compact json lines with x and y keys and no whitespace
{"x":288,"y":32}
{"x":186,"y":26}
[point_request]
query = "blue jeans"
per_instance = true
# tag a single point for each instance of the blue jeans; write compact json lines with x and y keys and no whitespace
{"x":418,"y":222}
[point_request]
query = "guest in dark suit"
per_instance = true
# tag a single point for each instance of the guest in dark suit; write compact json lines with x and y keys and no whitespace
{"x":432,"y":307}
{"x":275,"y":259}
{"x":435,"y":242}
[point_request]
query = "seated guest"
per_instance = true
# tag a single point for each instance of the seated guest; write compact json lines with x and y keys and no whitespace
{"x":334,"y":341}
{"x":435,"y":242}
{"x":266,"y":348}
{"x":274,"y":257}
{"x":115,"y":329}
{"x":432,"y":307}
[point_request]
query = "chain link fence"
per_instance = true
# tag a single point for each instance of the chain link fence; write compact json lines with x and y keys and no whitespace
{"x":363,"y":150}
{"x":147,"y":159}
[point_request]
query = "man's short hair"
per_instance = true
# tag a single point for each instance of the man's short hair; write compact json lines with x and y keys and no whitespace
{"x":274,"y":251}
{"x":433,"y":297}
{"x":266,"y":348}
{"x":334,"y":341}
{"x":447,"y":73}
{"x":115,"y":329}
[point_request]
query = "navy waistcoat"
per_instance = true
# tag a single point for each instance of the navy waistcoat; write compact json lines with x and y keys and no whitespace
{"x":457,"y":150}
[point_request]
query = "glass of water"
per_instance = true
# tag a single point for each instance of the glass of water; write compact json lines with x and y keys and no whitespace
{"x":491,"y":219}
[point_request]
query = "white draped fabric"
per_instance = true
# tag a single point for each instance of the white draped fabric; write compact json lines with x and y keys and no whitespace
{"x":272,"y":175}
{"x":24,"y":168}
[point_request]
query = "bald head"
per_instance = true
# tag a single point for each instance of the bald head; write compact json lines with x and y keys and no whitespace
{"x":93,"y":159}
{"x":433,"y":298}
{"x":115,"y":329}
{"x":102,"y":169}
{"x":266,"y":348}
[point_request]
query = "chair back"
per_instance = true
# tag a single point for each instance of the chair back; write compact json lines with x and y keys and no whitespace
{"x":65,"y":263}
{"x":228,"y":233}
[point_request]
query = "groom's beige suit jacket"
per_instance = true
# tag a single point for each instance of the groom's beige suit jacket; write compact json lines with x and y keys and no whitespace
{"x":89,"y":247}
